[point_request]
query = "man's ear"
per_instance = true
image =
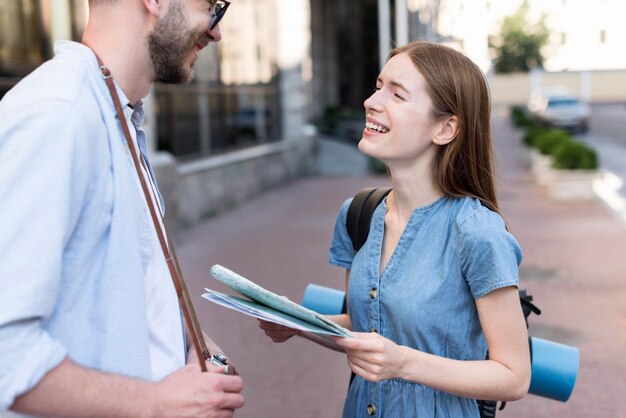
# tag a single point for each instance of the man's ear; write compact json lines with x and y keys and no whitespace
{"x":448,"y":129}
{"x":153,"y":7}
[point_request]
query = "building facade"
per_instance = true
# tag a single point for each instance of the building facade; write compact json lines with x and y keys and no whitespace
{"x":240,"y":127}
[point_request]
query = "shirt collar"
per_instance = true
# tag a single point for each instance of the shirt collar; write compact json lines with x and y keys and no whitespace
{"x":86,"y":54}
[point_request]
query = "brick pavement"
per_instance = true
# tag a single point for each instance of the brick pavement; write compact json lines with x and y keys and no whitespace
{"x":574,"y":266}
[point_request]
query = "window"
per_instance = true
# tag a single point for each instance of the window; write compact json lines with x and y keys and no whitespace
{"x":233,"y":102}
{"x":23,"y":43}
{"x":25,"y":40}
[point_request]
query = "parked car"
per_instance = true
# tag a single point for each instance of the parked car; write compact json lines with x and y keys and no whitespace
{"x":559,"y":109}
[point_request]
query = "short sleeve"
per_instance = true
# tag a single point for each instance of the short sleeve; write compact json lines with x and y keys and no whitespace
{"x":490,"y":256}
{"x":341,"y":251}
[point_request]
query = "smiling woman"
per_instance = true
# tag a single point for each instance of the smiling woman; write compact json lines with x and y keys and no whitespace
{"x":435,"y":283}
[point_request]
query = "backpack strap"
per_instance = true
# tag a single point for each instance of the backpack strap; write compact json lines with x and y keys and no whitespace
{"x":360,"y":214}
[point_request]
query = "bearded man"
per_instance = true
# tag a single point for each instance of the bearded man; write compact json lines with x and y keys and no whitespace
{"x":90,"y":324}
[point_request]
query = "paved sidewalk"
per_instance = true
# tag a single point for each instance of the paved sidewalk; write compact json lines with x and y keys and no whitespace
{"x":574,"y":266}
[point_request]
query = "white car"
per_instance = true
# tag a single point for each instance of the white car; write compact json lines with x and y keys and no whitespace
{"x":559,"y":109}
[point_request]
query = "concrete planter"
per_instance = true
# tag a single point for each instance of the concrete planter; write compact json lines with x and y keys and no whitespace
{"x":571,"y":185}
{"x":540,"y":167}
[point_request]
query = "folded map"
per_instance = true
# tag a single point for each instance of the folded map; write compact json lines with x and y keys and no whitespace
{"x":268,"y":306}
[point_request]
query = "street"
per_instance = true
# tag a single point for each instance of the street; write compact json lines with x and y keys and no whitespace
{"x":608,"y":121}
{"x":607,"y":135}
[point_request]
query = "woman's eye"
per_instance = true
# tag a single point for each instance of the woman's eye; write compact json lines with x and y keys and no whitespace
{"x":398,"y":96}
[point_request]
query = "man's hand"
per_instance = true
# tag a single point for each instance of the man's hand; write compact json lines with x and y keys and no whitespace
{"x":192,"y":358}
{"x":189,"y":392}
{"x":278,"y":333}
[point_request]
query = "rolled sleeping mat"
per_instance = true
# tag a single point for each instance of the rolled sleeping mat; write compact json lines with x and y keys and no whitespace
{"x":324,"y":300}
{"x":554,"y":368}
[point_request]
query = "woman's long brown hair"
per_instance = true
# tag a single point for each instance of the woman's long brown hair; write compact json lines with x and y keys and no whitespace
{"x":456,"y":86}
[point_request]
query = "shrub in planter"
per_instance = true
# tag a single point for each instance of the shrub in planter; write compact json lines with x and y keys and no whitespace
{"x":520,"y":117}
{"x":574,"y":156}
{"x":546,"y":142}
{"x":531,"y":134}
{"x":574,"y":170}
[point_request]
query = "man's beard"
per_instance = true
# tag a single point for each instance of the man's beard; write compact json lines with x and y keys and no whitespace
{"x":169,"y":45}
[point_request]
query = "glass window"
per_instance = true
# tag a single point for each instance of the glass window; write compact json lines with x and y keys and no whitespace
{"x":23,"y":43}
{"x":233,"y":101}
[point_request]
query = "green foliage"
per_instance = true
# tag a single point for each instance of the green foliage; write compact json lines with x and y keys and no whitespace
{"x":550,"y":139}
{"x":329,"y":123}
{"x":574,"y":156}
{"x":520,"y":117}
{"x":377,"y":166}
{"x":340,"y":121}
{"x":566,"y":154}
{"x":518,"y":46}
{"x":531,"y":134}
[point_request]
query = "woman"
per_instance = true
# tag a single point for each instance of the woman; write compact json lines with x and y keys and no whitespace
{"x":435,"y":284}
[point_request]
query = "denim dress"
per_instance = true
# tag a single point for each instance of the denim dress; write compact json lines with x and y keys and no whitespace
{"x":451,"y":252}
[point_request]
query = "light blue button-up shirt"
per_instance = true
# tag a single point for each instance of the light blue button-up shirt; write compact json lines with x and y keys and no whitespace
{"x":75,"y":238}
{"x":451,"y":252}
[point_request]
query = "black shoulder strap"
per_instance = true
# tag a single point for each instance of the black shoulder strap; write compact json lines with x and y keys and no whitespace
{"x":360,"y":214}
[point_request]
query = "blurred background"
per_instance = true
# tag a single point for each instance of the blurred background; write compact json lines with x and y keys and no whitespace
{"x":256,"y":155}
{"x":288,"y":71}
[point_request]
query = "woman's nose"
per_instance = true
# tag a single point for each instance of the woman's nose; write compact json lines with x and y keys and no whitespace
{"x":372,"y":102}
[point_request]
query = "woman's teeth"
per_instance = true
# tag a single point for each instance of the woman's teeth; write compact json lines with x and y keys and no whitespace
{"x":373,"y":127}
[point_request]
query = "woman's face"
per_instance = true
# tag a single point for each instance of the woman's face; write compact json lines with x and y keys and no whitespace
{"x":399,"y":125}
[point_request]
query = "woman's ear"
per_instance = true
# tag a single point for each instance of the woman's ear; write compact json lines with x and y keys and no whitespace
{"x":448,"y":129}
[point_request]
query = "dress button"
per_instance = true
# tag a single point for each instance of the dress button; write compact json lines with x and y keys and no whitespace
{"x":373,"y":293}
{"x":373,"y":329}
{"x":371,"y":409}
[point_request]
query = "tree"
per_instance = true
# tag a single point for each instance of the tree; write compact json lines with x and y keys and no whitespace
{"x":518,"y":46}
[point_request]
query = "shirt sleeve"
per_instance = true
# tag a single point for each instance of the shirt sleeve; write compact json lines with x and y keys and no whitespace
{"x":43,"y":183}
{"x":341,"y":251}
{"x":489,"y":254}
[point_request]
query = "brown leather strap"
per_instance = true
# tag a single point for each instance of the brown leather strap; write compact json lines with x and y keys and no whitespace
{"x":168,"y":249}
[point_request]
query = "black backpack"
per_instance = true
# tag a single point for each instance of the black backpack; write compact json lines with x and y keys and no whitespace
{"x":358,"y":223}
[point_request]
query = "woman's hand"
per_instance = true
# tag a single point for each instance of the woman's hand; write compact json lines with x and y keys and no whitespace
{"x":372,"y":356}
{"x":278,"y":333}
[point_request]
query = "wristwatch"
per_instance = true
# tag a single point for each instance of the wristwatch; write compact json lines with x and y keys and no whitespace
{"x":220,"y":359}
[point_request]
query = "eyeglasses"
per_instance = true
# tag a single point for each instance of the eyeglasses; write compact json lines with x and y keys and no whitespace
{"x":217,"y":12}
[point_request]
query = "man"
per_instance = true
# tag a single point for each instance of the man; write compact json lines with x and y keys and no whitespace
{"x":89,"y":319}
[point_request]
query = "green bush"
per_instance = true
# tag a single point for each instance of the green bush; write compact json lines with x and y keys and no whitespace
{"x":531,"y":134}
{"x":377,"y":166}
{"x":574,"y":156}
{"x":329,"y":122}
{"x":520,"y":117}
{"x":546,"y":142}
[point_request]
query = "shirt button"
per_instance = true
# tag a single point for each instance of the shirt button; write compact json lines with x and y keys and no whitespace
{"x":373,"y":329}
{"x":373,"y":293}
{"x":371,"y":409}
